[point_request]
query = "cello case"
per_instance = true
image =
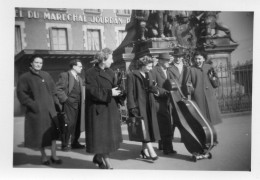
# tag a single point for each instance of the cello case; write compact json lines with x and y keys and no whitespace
{"x":197,"y":134}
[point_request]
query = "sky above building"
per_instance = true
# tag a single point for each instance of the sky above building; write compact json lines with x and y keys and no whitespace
{"x":241,"y":27}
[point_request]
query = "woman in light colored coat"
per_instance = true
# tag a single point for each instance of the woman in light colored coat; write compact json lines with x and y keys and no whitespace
{"x":204,"y":80}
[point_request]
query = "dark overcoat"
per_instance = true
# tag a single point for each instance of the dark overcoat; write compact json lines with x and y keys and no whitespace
{"x":64,"y":86}
{"x":103,"y":126}
{"x":162,"y":101}
{"x":204,"y":93}
{"x":138,"y":97}
{"x":37,"y":92}
{"x":181,"y":78}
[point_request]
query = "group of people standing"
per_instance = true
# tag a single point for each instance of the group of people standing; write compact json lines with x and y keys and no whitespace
{"x":147,"y":93}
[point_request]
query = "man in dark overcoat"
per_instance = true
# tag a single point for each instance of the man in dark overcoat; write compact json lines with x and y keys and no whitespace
{"x":179,"y":71}
{"x":70,"y":94}
{"x":161,"y":75}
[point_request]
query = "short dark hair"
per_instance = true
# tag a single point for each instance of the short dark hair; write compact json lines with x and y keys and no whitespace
{"x":74,"y":62}
{"x":201,"y":53}
{"x":34,"y":57}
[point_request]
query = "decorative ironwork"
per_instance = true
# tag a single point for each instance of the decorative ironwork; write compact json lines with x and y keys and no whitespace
{"x":235,"y":92}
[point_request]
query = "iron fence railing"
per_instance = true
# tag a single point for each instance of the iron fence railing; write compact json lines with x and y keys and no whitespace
{"x":235,"y":91}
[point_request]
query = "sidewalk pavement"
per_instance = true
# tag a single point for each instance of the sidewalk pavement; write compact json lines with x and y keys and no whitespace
{"x":233,"y":153}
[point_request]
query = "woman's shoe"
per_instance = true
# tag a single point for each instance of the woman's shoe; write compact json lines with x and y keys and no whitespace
{"x":154,"y":158}
{"x":57,"y":161}
{"x":46,"y":163}
{"x":99,"y":162}
{"x":143,"y":155}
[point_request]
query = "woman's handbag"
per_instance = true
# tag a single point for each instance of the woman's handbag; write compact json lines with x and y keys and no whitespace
{"x":63,"y":122}
{"x":213,"y":78}
{"x":136,"y":129}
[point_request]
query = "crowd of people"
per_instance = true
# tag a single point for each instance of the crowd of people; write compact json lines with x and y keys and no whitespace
{"x":147,"y":95}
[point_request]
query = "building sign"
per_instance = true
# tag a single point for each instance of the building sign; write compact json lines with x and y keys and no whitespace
{"x":57,"y":16}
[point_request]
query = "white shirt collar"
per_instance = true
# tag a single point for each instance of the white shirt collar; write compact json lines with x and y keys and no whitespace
{"x":179,"y":66}
{"x":74,"y":74}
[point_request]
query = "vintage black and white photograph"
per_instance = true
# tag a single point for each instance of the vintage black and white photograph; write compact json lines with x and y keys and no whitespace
{"x":101,"y":88}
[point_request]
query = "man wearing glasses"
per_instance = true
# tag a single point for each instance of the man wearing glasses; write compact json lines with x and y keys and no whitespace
{"x":69,"y":92}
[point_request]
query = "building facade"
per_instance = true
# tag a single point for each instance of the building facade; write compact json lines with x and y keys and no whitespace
{"x":59,"y":35}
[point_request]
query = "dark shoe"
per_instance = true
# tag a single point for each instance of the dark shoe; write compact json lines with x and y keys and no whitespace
{"x":46,"y":163}
{"x":99,"y":162}
{"x":65,"y":148}
{"x":169,"y":151}
{"x":77,"y":146}
{"x":58,"y":161}
{"x":154,"y":158}
{"x":143,"y":155}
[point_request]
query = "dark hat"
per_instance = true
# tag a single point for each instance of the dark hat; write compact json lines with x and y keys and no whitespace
{"x":178,"y":52}
{"x":164,"y":56}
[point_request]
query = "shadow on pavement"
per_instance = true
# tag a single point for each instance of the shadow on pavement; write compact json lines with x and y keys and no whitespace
{"x":20,"y":159}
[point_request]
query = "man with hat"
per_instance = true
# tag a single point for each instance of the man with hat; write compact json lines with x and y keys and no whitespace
{"x":178,"y":68}
{"x":161,"y":74}
{"x":179,"y":71}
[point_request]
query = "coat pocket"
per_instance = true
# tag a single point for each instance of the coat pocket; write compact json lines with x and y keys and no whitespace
{"x":100,"y":108}
{"x":34,"y":107}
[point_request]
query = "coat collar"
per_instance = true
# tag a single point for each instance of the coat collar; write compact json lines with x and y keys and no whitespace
{"x":37,"y":73}
{"x":200,"y":68}
{"x":71,"y":81}
{"x":175,"y":70}
{"x":137,"y":73}
{"x":139,"y":76}
{"x":160,"y":71}
{"x":107,"y":74}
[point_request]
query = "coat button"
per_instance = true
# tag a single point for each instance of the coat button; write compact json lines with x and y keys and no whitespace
{"x":207,"y":87}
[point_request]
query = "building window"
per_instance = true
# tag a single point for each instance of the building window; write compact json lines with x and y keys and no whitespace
{"x":93,"y":39}
{"x":92,"y":11}
{"x":121,"y":36}
{"x":59,"y":39}
{"x":125,"y":12}
{"x":18,"y":39}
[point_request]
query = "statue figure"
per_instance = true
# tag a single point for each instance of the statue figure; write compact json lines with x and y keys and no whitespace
{"x":168,"y":20}
{"x":138,"y":21}
{"x":204,"y":24}
{"x":156,"y":24}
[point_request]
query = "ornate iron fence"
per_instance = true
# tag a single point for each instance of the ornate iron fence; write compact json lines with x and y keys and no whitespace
{"x":235,"y":91}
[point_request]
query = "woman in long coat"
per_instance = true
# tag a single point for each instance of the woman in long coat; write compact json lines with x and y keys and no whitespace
{"x":204,"y":80}
{"x":140,"y":102}
{"x":36,"y":91}
{"x":103,"y":126}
